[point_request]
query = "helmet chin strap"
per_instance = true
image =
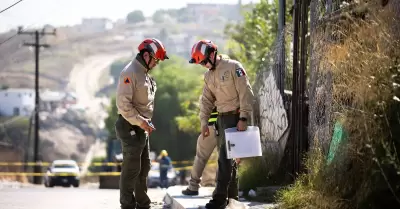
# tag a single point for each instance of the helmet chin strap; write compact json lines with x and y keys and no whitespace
{"x":215,"y":61}
{"x":146,"y":63}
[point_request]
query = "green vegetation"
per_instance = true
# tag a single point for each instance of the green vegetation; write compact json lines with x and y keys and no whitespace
{"x":93,"y":168}
{"x":366,"y":172}
{"x":110,"y":120}
{"x":182,"y":15}
{"x":253,"y":39}
{"x":136,"y":16}
{"x":15,"y":130}
{"x":117,"y":66}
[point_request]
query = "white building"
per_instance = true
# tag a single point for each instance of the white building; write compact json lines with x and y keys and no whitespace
{"x":96,"y":25}
{"x":21,"y":102}
{"x":14,"y":102}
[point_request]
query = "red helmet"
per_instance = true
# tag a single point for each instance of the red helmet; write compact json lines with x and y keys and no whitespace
{"x":201,"y":51}
{"x":154,"y":47}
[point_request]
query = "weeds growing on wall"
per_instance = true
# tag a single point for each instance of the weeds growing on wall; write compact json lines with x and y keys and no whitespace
{"x":365,"y":65}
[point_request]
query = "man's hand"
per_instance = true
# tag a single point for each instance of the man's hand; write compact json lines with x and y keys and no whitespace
{"x":147,"y":126}
{"x":237,"y":161}
{"x":241,"y":125}
{"x":205,"y":131}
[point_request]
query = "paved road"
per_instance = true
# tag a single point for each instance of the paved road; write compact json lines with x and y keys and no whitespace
{"x":84,"y":80}
{"x":86,"y":197}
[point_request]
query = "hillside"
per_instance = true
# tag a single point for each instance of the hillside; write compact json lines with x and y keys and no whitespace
{"x":61,"y":136}
{"x":56,"y":62}
{"x":70,"y":46}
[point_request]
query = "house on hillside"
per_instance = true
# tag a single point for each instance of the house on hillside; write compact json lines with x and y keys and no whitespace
{"x":95,"y":25}
{"x":179,"y":44}
{"x":51,"y":100}
{"x":17,"y":102}
{"x":203,"y":12}
{"x":21,"y":102}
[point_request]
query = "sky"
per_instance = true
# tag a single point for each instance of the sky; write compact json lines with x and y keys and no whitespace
{"x":69,"y":12}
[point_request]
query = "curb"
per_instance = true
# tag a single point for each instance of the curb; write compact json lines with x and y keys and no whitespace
{"x":173,"y":199}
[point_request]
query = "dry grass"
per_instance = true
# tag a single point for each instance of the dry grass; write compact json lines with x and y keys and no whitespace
{"x":259,"y":172}
{"x":309,"y":190}
{"x":366,"y":72}
{"x":8,"y":154}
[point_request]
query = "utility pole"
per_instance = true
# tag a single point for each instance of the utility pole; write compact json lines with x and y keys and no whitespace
{"x":37,"y":45}
{"x":281,"y":47}
{"x":296,"y":90}
{"x":27,"y":150}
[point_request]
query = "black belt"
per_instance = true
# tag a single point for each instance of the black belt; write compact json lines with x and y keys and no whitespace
{"x":122,"y":117}
{"x":233,"y":112}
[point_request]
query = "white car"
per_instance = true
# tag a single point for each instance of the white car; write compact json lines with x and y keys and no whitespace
{"x":62,"y":173}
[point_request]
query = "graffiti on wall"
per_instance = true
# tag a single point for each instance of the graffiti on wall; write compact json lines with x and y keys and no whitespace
{"x":273,"y":117}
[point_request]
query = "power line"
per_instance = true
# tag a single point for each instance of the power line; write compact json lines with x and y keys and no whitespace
{"x":10,"y":6}
{"x":13,"y":36}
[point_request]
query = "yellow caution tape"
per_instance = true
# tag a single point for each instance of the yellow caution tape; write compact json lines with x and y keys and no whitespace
{"x":80,"y":164}
{"x":22,"y":163}
{"x":182,"y":162}
{"x":87,"y":174}
{"x":21,"y":174}
{"x":104,"y":164}
{"x":59,"y":174}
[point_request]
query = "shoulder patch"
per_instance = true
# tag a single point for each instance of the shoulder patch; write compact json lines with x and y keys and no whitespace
{"x":127,"y":80}
{"x":240,"y":72}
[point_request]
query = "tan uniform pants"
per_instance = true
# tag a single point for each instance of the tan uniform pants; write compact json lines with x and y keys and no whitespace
{"x":204,"y":150}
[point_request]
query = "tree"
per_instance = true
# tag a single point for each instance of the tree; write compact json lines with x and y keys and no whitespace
{"x":117,"y":66}
{"x":177,"y":84}
{"x":158,"y":16}
{"x":252,"y":39}
{"x":110,"y":120}
{"x":135,"y":17}
{"x":185,"y":16}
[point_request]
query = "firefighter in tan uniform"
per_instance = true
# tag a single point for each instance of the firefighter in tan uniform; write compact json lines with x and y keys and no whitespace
{"x":228,"y":88}
{"x":205,"y":147}
{"x":135,"y":103}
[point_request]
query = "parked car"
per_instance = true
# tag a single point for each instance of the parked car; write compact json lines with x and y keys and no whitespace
{"x":62,"y":173}
{"x":153,"y":179}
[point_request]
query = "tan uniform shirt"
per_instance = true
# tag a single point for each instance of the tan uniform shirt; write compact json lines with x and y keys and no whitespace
{"x":135,"y":93}
{"x":228,"y":88}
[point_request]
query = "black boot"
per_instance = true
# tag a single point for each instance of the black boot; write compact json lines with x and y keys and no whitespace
{"x":189,"y":192}
{"x":213,"y":204}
